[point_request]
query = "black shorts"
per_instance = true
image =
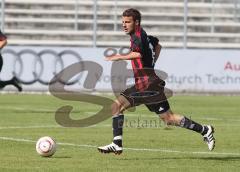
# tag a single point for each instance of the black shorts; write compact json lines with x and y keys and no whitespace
{"x":1,"y":62}
{"x":153,"y":97}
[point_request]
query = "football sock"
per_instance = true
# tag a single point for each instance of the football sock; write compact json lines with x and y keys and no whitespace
{"x":4,"y":83}
{"x":192,"y":125}
{"x":117,"y":124}
{"x":13,"y":82}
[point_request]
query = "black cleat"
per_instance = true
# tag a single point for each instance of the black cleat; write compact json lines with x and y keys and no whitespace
{"x":16,"y":83}
{"x":209,"y":138}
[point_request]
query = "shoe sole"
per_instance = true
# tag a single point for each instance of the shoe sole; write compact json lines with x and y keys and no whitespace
{"x":107,"y":151}
{"x":214,"y":141}
{"x":212,"y":128}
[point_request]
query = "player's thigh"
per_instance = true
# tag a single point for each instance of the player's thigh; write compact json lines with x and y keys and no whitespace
{"x":160,"y":108}
{"x":127,"y":96}
{"x":122,"y":103}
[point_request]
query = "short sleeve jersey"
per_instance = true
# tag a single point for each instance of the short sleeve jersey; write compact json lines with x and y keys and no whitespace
{"x":143,"y":68}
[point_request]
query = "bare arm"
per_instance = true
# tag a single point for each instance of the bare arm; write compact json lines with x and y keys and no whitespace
{"x":3,"y":43}
{"x":130,"y":56}
{"x":157,"y":52}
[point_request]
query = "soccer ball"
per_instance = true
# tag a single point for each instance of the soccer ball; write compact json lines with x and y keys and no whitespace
{"x":46,"y":146}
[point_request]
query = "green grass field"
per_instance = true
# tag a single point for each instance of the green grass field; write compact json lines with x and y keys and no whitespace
{"x":149,"y":144}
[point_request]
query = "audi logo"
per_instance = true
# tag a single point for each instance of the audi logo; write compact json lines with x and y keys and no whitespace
{"x":30,"y":66}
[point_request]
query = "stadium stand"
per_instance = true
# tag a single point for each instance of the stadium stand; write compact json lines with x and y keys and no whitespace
{"x":210,"y":24}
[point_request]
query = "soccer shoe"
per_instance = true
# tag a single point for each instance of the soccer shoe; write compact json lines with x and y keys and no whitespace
{"x":111,"y":148}
{"x":16,"y":84}
{"x":209,"y":138}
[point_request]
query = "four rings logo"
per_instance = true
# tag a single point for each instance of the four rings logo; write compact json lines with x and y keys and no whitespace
{"x":29,"y":66}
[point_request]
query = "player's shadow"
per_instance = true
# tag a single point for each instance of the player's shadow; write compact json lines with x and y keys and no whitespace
{"x":61,"y":157}
{"x":227,"y":158}
{"x":223,"y":158}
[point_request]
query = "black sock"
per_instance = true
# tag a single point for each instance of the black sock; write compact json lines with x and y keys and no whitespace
{"x":4,"y":83}
{"x":192,"y":125}
{"x":117,"y":124}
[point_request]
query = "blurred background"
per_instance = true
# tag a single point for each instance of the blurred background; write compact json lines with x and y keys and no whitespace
{"x":200,"y":61}
{"x":200,"y":39}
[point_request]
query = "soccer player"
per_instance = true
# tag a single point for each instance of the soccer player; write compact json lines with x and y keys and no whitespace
{"x":144,"y":52}
{"x":13,"y":81}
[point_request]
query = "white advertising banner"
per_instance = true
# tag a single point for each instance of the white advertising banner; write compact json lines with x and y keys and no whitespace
{"x":202,"y":70}
{"x":190,"y":70}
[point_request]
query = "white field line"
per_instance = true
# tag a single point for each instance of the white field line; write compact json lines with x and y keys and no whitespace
{"x":135,"y":125}
{"x":201,"y":118}
{"x":25,"y":109}
{"x":127,"y":115}
{"x":131,"y":149}
{"x":30,"y":127}
{"x":50,"y":126}
{"x":129,"y":118}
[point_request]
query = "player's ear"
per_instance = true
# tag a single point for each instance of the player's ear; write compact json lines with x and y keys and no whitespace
{"x":137,"y":22}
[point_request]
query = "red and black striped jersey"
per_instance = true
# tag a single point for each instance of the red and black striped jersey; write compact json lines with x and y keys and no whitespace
{"x":143,"y":68}
{"x":2,"y":36}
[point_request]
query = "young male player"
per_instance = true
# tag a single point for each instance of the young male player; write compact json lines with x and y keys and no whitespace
{"x":13,"y":81}
{"x":144,"y":53}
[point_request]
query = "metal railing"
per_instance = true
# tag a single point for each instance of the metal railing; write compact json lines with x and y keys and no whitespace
{"x":2,"y":14}
{"x":188,"y":19}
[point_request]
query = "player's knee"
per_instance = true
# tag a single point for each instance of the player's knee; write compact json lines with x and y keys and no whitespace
{"x":167,"y":117}
{"x":115,"y":108}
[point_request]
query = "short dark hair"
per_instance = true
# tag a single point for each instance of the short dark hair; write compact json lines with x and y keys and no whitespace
{"x":131,"y":12}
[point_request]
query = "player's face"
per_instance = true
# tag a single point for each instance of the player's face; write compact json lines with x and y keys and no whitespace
{"x":128,"y":24}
